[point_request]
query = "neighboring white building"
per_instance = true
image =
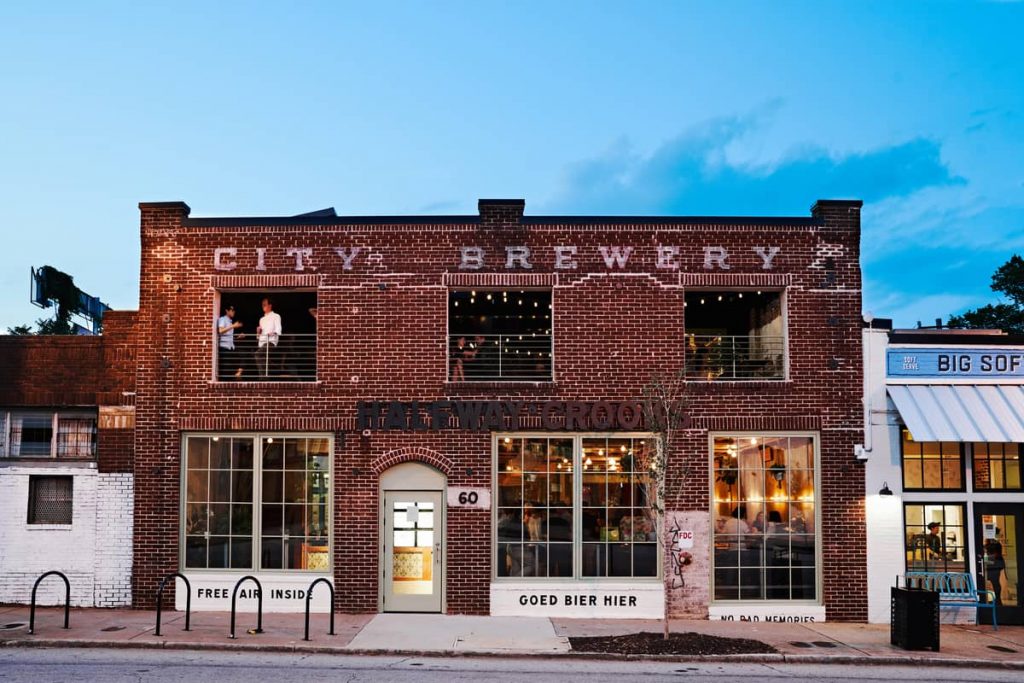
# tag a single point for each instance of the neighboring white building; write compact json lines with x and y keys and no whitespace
{"x":58,"y":511}
{"x":946,"y":433}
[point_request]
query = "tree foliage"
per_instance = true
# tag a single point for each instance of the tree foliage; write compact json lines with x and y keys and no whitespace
{"x":60,"y":288}
{"x":1008,"y":280}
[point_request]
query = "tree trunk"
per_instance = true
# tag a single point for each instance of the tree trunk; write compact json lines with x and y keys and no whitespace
{"x":666,"y":549}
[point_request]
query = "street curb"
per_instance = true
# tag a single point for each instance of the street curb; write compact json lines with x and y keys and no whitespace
{"x":780,"y":658}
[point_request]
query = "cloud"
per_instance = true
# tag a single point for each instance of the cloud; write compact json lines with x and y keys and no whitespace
{"x":930,"y":238}
{"x":693,"y":174}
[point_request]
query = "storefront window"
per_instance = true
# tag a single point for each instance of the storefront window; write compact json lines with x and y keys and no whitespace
{"x":573,"y":508}
{"x":931,"y":465}
{"x":765,"y":533}
{"x":997,"y":466}
{"x":221,"y":528}
{"x":294,"y":503}
{"x":935,"y":537}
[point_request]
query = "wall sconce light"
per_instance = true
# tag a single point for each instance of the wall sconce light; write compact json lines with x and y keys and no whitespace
{"x":469,"y":472}
{"x":885,"y":490}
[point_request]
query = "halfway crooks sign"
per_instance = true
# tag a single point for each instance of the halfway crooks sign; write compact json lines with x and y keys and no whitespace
{"x":422,"y":416}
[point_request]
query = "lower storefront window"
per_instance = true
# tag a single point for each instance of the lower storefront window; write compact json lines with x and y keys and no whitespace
{"x":573,"y":508}
{"x":936,"y":537}
{"x":765,"y":524}
{"x":257,"y":501}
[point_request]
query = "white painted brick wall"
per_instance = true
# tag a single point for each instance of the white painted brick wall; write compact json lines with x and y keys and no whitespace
{"x":94,"y":551}
{"x":115,"y":505}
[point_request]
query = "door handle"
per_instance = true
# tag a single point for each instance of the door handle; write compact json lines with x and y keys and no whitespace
{"x":437,"y":553}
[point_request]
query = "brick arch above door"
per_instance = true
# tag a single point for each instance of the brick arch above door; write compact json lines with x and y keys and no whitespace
{"x":412,"y":454}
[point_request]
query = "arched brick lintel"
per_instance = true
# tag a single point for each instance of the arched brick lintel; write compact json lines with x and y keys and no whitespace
{"x":412,"y":454}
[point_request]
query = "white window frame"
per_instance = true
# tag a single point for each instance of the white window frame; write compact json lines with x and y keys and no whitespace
{"x":257,"y":495}
{"x":55,"y":417}
{"x":577,"y":527}
{"x":819,"y":574}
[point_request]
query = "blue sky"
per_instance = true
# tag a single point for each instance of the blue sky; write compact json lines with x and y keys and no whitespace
{"x":595,"y":107}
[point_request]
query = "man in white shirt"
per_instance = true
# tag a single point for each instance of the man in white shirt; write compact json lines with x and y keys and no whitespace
{"x":268,"y":334}
{"x":226,"y":326}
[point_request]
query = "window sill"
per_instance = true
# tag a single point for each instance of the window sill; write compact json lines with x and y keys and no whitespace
{"x":270,"y":384}
{"x":471,"y":387}
{"x":49,"y":527}
{"x":48,"y":463}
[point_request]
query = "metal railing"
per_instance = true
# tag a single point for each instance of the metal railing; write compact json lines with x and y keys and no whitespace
{"x":67,"y":600}
{"x":713,"y":357}
{"x":309,"y":598}
{"x":256,"y":358}
{"x":523,"y":356}
{"x":160,"y":600}
{"x":259,"y":604}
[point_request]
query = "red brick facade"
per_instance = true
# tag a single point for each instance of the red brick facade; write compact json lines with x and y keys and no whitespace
{"x":382,"y":335}
{"x":54,"y":372}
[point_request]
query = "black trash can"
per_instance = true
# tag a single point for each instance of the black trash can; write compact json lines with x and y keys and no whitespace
{"x":914,"y":621}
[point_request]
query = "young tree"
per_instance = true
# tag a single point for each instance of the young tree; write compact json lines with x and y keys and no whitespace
{"x":1008,"y":280}
{"x":664,"y":415}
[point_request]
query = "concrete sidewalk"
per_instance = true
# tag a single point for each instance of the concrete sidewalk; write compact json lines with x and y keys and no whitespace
{"x":434,"y":634}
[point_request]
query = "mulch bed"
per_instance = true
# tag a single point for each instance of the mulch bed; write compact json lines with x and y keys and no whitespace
{"x":677,"y":644}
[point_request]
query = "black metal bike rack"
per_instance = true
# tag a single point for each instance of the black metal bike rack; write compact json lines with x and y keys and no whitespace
{"x":67,"y":601}
{"x":309,"y":596}
{"x":160,"y":600}
{"x":259,"y":606}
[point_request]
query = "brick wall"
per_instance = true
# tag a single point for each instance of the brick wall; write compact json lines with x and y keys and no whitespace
{"x":53,"y":373}
{"x":382,"y":335}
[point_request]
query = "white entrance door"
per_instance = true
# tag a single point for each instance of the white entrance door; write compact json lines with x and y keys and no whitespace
{"x":413,"y":531}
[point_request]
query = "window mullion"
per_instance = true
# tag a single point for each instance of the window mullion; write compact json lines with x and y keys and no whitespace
{"x":577,"y":507}
{"x":53,"y":435}
{"x":257,"y":502}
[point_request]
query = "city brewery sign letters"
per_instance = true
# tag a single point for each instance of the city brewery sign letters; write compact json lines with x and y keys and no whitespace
{"x":421,"y":416}
{"x":565,"y":257}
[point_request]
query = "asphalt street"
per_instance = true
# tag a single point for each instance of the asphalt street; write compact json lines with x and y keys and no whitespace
{"x":46,"y":665}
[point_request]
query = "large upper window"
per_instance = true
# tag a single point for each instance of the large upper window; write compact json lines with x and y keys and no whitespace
{"x":734,"y":335}
{"x":931,"y":465}
{"x":936,"y":537}
{"x":997,"y":467}
{"x":765,"y":530}
{"x":573,"y":508}
{"x":266,"y":336}
{"x":257,"y":502}
{"x":499,"y":335}
{"x":47,"y":434}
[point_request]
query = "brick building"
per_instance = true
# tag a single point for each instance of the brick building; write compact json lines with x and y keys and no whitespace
{"x":440,"y":413}
{"x":66,"y":450}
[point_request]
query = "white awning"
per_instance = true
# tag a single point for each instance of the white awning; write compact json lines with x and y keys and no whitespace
{"x":961,"y":412}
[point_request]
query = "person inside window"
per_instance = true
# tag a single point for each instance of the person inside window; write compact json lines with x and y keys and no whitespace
{"x":994,"y":566}
{"x":934,"y":543}
{"x":268,"y":334}
{"x":226,"y":326}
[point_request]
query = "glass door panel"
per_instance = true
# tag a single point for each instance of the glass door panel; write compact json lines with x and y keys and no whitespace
{"x":412,"y":551}
{"x":998,"y":528}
